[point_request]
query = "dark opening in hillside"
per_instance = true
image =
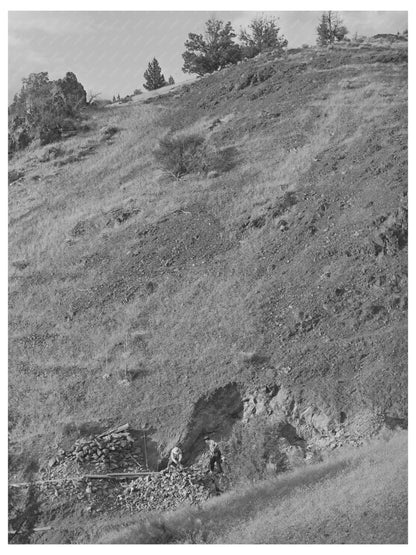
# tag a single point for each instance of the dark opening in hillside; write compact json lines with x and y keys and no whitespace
{"x":213,"y":415}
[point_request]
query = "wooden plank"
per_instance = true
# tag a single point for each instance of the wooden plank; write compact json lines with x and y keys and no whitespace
{"x":41,"y":529}
{"x":118,"y":475}
{"x":40,"y":482}
{"x":132,"y":474}
{"x":109,"y":476}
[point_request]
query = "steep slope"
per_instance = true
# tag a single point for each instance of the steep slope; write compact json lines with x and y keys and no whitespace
{"x":354,"y":497}
{"x":133,"y":295}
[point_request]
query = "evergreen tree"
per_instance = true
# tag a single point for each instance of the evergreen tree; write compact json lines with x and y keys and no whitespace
{"x":212,"y":51}
{"x":43,"y":108}
{"x":330,"y":29}
{"x":154,"y":76}
{"x":263,"y":35}
{"x":171,"y":80}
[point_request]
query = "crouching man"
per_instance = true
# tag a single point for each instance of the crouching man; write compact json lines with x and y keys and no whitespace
{"x":175,"y":458}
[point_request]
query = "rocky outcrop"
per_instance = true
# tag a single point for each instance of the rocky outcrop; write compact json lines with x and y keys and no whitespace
{"x":71,"y":91}
{"x":45,"y":110}
{"x":306,"y":425}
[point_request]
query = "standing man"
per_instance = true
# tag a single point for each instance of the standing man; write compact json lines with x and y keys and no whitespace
{"x":214,"y":454}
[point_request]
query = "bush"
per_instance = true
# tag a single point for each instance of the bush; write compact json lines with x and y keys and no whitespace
{"x":252,"y":448}
{"x":108,"y":132}
{"x":211,"y":51}
{"x":23,"y":139}
{"x":49,"y":134}
{"x":183,"y":154}
{"x":263,"y":35}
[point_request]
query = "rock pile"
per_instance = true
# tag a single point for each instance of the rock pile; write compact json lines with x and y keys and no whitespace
{"x":105,"y":473}
{"x":111,"y":452}
{"x":158,"y":491}
{"x":164,"y":490}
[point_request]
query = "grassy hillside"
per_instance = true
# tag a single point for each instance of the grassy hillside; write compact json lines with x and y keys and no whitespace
{"x":132,"y":294}
{"x":354,"y":497}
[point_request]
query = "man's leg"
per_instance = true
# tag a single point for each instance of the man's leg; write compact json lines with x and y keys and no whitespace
{"x":219,"y":462}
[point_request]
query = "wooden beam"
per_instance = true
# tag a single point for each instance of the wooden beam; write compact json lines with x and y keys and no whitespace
{"x":41,"y":529}
{"x":109,"y":476}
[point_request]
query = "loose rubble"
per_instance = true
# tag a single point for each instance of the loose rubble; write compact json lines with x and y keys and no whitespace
{"x":112,"y":452}
{"x":106,"y":473}
{"x":167,"y":490}
{"x":157,"y":491}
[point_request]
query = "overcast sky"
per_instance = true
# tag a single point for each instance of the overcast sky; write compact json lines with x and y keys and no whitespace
{"x":109,"y":51}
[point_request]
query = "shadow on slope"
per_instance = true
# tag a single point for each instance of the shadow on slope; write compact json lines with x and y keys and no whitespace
{"x":323,"y":498}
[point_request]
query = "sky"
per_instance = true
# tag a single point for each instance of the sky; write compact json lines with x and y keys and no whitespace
{"x":109,"y":50}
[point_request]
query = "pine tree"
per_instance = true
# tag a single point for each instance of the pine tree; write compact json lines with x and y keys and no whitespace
{"x":154,"y":76}
{"x":171,"y":80}
{"x":263,"y":35}
{"x":212,"y":51}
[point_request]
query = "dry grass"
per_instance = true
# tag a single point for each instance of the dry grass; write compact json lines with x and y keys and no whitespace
{"x":198,"y":319}
{"x":356,"y":496}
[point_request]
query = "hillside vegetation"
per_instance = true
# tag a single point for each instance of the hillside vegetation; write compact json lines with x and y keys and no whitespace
{"x":133,"y":294}
{"x":352,"y":498}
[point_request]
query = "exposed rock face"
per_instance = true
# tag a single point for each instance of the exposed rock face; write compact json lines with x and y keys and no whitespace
{"x":300,"y":422}
{"x":71,"y":90}
{"x":303,"y":427}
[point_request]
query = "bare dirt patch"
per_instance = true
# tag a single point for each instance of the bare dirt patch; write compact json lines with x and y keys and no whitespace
{"x":187,"y":238}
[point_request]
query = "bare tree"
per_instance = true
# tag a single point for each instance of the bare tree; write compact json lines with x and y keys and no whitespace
{"x":91,"y":97}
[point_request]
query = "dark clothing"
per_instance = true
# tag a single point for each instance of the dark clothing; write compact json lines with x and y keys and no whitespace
{"x":215,"y":458}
